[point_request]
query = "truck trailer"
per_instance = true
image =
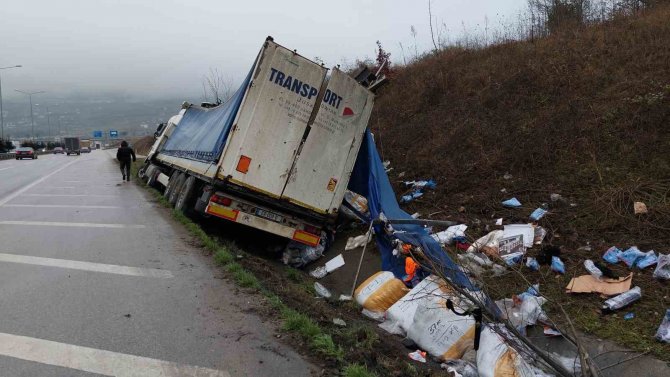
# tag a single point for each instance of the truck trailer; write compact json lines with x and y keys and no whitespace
{"x":277,"y":156}
{"x":72,"y":145}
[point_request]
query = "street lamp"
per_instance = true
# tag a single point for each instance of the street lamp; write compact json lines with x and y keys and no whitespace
{"x":2,"y":115}
{"x":32,"y":122}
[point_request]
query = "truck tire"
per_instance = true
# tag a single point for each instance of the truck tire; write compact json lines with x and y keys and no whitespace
{"x":171,"y":183}
{"x":151,"y":178}
{"x":185,"y":194}
{"x":172,"y":199}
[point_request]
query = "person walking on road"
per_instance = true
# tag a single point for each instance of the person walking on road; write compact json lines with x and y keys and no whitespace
{"x":124,"y":154}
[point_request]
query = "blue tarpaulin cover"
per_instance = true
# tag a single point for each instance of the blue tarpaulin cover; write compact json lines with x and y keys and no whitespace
{"x":370,"y":180}
{"x":193,"y":139}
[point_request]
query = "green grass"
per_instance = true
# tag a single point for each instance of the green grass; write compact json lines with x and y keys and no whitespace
{"x":294,"y":275}
{"x":223,"y":257}
{"x":300,"y":323}
{"x":359,"y":337}
{"x":323,"y":344}
{"x":357,"y":370}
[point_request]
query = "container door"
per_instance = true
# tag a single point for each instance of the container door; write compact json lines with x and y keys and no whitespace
{"x":322,"y":170}
{"x":272,"y":120}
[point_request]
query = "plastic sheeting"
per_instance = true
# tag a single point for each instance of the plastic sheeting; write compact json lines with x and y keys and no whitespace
{"x":370,"y":180}
{"x":193,"y":139}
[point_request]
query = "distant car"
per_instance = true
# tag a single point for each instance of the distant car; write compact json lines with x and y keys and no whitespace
{"x":85,"y":150}
{"x":59,"y":150}
{"x":25,"y":152}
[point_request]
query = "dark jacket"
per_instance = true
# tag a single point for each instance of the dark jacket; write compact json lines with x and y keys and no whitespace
{"x":125,"y":153}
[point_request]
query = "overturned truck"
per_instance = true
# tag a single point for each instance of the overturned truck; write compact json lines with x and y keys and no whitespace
{"x":277,"y":156}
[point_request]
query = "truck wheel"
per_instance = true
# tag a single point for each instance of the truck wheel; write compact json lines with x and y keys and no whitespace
{"x":151,"y":178}
{"x":171,"y":183}
{"x":185,"y":193}
{"x":172,"y":199}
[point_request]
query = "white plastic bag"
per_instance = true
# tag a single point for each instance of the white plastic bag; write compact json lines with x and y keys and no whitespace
{"x":400,"y":315}
{"x":487,"y":244}
{"x":439,"y":331}
{"x":446,"y":237}
{"x":662,"y":270}
{"x":496,"y":359}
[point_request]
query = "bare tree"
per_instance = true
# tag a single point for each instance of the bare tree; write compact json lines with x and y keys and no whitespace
{"x":215,"y":87}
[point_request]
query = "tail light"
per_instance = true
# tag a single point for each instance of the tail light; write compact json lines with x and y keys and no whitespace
{"x":221,"y":200}
{"x":311,"y":229}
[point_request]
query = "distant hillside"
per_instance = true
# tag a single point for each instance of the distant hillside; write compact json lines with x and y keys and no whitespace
{"x":585,"y":114}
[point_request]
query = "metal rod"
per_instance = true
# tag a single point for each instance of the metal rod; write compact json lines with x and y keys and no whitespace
{"x":360,"y":262}
{"x":417,"y":222}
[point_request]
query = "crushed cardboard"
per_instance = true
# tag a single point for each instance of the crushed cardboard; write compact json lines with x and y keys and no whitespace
{"x":609,"y":287}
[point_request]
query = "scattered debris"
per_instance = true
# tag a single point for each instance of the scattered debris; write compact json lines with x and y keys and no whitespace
{"x":555,"y":197}
{"x":592,"y":269}
{"x":499,"y":221}
{"x":340,"y":322}
{"x":507,"y":176}
{"x":358,"y":241}
{"x":460,"y":368}
{"x":612,"y":255}
{"x":628,"y":316}
{"x":419,"y":185}
{"x":640,"y":208}
{"x":622,"y":300}
{"x":487,"y":244}
{"x":649,"y":259}
{"x":345,"y":298}
{"x":511,"y":249}
{"x":418,"y":355}
{"x":547,"y":253}
{"x":662,"y":270}
{"x":496,"y":358}
{"x":663,"y":332}
{"x":355,"y":206}
{"x":540,"y":233}
{"x":409,"y":197}
{"x":298,"y":254}
{"x":321,"y":290}
{"x":512,"y":203}
{"x":446,"y":237}
{"x":538,"y":214}
{"x":532,"y":264}
{"x":608,"y":287}
{"x":526,"y":230}
{"x":550,"y":331}
{"x":630,"y":256}
{"x":557,"y":265}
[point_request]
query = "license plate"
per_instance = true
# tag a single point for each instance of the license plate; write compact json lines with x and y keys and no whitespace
{"x":269,"y":215}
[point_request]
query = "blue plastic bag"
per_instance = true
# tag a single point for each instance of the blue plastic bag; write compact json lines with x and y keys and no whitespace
{"x":612,"y":255}
{"x":513,"y":203}
{"x":532,"y":264}
{"x":631,"y":256}
{"x":557,"y":265}
{"x":538,"y":214}
{"x":649,"y":259}
{"x":409,"y":197}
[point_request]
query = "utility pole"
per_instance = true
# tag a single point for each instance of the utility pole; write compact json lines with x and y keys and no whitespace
{"x":49,"y":121}
{"x":2,"y":115}
{"x":32,"y":121}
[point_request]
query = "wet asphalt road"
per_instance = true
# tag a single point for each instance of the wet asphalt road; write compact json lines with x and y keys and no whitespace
{"x":96,"y":280}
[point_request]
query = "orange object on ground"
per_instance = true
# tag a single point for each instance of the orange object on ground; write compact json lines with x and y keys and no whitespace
{"x":410,"y":268}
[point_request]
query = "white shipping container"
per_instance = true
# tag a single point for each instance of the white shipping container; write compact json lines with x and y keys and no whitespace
{"x":271,"y":122}
{"x":322,"y":170}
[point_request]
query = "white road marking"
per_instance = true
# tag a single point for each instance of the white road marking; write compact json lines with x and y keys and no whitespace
{"x":78,"y":195}
{"x":68,"y":224}
{"x":86,"y":266}
{"x":98,"y":361}
{"x":59,"y":206}
{"x":62,"y":187}
{"x":13,"y":195}
{"x":74,"y":181}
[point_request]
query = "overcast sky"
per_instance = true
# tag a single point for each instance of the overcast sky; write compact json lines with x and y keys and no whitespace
{"x":164,"y":47}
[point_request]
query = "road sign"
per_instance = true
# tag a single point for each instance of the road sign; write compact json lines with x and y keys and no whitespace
{"x":97,"y":133}
{"x":113,"y":133}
